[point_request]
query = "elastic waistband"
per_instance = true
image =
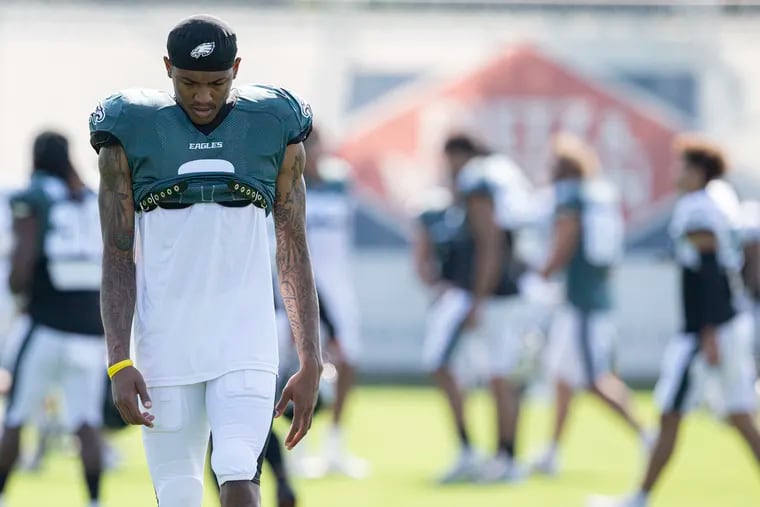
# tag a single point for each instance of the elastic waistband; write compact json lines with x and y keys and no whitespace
{"x":183,"y":193}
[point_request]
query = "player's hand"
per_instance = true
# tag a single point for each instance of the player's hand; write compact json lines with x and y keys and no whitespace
{"x":126,"y":386}
{"x":302,"y":390}
{"x":472,"y":320}
{"x":709,"y":339}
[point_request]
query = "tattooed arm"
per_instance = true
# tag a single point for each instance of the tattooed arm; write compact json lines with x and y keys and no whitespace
{"x":299,"y":294}
{"x":117,"y":293}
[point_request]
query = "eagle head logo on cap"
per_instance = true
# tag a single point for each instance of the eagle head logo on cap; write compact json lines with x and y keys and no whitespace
{"x":202,"y":50}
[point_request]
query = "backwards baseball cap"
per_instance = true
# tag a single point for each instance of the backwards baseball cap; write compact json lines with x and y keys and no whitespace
{"x":202,"y":42}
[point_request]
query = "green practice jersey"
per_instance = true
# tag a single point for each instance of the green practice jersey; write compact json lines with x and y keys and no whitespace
{"x":175,"y":164}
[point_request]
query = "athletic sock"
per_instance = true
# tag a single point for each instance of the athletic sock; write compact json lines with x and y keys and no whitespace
{"x":642,"y":496}
{"x":274,"y":457}
{"x":93,"y":485}
{"x":464,"y":438}
{"x":508,"y":447}
{"x":3,"y":480}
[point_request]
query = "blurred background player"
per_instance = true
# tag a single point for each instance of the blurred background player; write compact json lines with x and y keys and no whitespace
{"x":55,"y":269}
{"x":10,"y":323}
{"x":587,"y":243}
{"x":751,"y":269}
{"x":464,"y":253}
{"x":718,"y":333}
{"x":330,"y":225}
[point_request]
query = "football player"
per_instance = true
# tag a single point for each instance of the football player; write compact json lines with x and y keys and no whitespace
{"x":55,"y":271}
{"x":187,"y":182}
{"x":717,"y":335}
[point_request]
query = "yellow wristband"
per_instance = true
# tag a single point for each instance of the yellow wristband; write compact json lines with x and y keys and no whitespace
{"x":116,"y":368}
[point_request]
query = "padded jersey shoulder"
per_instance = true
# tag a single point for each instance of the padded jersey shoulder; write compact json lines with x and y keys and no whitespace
{"x":118,"y":116}
{"x":294,"y":113}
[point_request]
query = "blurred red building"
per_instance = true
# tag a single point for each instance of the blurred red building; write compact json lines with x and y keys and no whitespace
{"x":514,"y":104}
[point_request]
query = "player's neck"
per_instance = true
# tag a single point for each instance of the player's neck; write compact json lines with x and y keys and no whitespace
{"x":207,"y":128}
{"x":224,"y":111}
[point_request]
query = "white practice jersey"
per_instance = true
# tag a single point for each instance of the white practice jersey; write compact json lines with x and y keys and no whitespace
{"x":510,"y":188}
{"x":204,"y":294}
{"x":329,"y":224}
{"x":716,"y":209}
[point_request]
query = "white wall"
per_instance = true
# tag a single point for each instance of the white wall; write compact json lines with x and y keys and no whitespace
{"x":58,"y":60}
{"x":394,"y":306}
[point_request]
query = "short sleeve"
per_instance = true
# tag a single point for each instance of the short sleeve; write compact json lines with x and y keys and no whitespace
{"x":26,"y":203}
{"x":694,"y":213}
{"x":105,"y":125}
{"x":298,"y":123}
{"x":568,"y":198}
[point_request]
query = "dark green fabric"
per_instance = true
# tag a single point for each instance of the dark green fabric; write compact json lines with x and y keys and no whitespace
{"x":159,"y":139}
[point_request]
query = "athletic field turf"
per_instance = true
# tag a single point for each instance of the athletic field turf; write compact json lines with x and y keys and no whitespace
{"x":405,"y":433}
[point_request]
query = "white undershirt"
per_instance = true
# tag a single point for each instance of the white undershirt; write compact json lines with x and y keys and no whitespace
{"x":204,"y":294}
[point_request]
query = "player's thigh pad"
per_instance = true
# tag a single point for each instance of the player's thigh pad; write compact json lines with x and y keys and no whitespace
{"x":580,"y":346}
{"x":175,"y":448}
{"x":444,"y":327}
{"x":339,"y":300}
{"x":737,"y":365}
{"x":680,"y":375}
{"x":17,"y":335}
{"x":240,"y":407}
{"x":36,"y":369}
{"x":84,"y":358}
{"x":562,"y":356}
{"x":597,"y":339}
{"x":502,"y":327}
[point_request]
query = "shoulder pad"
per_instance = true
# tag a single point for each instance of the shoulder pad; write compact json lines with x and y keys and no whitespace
{"x":694,"y":211}
{"x":121,"y":113}
{"x":725,"y":198}
{"x":294,"y":113}
{"x":474,"y":177}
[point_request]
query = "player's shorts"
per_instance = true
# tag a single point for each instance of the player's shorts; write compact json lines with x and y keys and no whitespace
{"x":579,"y":350}
{"x":498,"y":329}
{"x":236,"y":409}
{"x":685,"y":374}
{"x":338,"y":306}
{"x":48,"y":360}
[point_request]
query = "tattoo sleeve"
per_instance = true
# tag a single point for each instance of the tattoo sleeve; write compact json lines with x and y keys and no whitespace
{"x":117,"y":222}
{"x":293,"y":262}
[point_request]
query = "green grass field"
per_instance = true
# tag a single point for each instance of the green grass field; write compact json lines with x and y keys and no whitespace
{"x":405,"y":433}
